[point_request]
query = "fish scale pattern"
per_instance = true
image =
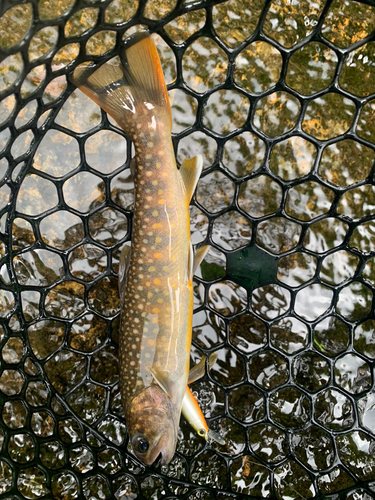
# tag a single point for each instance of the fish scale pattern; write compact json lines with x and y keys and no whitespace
{"x":279,"y":99}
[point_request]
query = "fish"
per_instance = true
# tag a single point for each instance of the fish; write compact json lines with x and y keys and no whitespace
{"x":156,"y":270}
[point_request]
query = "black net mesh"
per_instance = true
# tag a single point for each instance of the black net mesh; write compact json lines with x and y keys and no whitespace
{"x":278,"y":96}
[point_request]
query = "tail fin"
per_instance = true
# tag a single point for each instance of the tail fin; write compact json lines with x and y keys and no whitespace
{"x":129,"y":87}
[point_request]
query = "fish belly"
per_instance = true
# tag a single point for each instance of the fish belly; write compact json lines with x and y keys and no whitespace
{"x":156,"y":320}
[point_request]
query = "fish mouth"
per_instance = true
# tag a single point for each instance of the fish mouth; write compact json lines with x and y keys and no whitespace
{"x":159,"y":460}
{"x":165,"y":457}
{"x":162,"y":450}
{"x":162,"y":453}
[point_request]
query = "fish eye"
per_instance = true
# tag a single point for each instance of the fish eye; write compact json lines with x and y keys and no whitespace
{"x":140,"y":444}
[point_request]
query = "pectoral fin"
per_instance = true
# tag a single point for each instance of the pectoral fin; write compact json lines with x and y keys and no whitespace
{"x":191,"y":169}
{"x":164,"y":382}
{"x":212,"y":360}
{"x":199,"y":369}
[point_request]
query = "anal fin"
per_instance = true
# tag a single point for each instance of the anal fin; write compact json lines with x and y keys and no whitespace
{"x":195,"y":258}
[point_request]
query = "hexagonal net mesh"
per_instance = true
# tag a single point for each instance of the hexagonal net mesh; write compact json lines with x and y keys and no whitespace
{"x":279,"y":99}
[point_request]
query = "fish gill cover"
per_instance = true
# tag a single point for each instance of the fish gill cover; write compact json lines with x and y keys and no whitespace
{"x":279,"y":98}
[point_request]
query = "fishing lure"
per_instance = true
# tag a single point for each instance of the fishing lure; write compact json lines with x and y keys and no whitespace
{"x":190,"y":407}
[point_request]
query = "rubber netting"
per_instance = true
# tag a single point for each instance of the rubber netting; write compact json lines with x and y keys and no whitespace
{"x":278,"y":96}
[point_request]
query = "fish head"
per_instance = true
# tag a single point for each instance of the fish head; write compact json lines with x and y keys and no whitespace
{"x":152,"y":422}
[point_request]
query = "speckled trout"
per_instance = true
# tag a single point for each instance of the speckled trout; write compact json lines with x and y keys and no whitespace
{"x":156,"y":271}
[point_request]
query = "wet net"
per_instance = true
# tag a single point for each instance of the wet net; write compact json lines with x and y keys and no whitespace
{"x":278,"y":97}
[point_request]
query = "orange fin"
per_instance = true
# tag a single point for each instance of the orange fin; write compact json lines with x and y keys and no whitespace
{"x":129,"y":87}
